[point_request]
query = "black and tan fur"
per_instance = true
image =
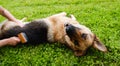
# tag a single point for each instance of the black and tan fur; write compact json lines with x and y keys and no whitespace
{"x":56,"y":28}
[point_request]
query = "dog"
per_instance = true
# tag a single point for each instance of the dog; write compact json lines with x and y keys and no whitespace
{"x":55,"y":28}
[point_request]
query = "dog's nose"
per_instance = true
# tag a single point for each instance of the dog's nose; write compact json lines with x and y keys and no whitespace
{"x":67,"y":25}
{"x":67,"y":28}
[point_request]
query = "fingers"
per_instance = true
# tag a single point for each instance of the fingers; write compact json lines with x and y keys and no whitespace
{"x":13,"y":41}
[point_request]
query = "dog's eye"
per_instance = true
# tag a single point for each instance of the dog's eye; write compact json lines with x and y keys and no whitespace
{"x":84,"y":36}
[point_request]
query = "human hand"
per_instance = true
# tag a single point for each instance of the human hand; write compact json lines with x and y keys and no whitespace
{"x":13,"y":41}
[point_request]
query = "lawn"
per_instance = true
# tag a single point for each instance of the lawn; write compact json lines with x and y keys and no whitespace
{"x":101,"y":16}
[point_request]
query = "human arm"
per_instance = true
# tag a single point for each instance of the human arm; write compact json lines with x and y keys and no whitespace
{"x":9,"y":41}
{"x":5,"y":13}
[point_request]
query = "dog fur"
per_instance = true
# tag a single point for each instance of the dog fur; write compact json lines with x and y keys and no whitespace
{"x":56,"y":28}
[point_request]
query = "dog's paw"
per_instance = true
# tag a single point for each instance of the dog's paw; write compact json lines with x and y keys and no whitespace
{"x":72,"y":17}
{"x":63,"y":13}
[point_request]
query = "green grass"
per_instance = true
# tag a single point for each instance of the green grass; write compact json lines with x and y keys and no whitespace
{"x":101,"y":16}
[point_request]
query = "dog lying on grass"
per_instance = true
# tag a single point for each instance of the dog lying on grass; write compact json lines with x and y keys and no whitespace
{"x":55,"y":28}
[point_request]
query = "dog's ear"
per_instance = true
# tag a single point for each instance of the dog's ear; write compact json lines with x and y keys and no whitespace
{"x":72,"y":17}
{"x":98,"y":45}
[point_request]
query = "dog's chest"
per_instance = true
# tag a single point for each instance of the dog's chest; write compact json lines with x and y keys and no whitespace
{"x":56,"y":32}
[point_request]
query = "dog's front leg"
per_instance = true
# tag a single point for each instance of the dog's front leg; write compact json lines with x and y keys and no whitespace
{"x":70,"y":43}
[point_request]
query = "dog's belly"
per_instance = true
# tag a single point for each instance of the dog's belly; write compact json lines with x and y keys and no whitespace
{"x":36,"y":32}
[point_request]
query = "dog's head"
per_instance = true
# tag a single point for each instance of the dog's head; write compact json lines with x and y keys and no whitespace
{"x":83,"y":38}
{"x":79,"y":34}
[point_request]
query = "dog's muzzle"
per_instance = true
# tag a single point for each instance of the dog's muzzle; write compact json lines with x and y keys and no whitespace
{"x":68,"y":27}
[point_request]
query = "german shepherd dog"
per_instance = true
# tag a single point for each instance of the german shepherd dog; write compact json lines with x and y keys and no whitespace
{"x":55,"y":28}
